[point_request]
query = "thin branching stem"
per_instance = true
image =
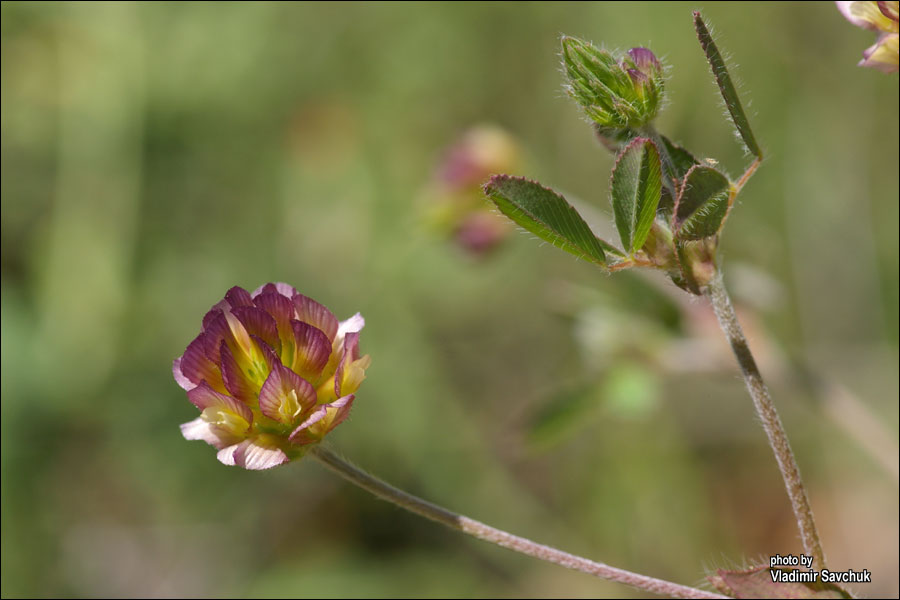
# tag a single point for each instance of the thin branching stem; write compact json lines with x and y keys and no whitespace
{"x":630,"y":263}
{"x":423,"y":508}
{"x":765,"y":408}
{"x":747,"y":174}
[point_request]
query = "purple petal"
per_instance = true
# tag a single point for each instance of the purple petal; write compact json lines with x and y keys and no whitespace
{"x":261,"y":452}
{"x":236,"y":381}
{"x":196,"y":365}
{"x":274,"y":396}
{"x":180,"y":378}
{"x":238,"y":296}
{"x":889,"y":9}
{"x":282,"y":310}
{"x":213,"y":312}
{"x":351,"y":345}
{"x":259,"y":323}
{"x":312,"y":350}
{"x":204,"y":397}
{"x":311,"y":312}
{"x":284,"y":289}
{"x":644,"y":59}
{"x":341,"y":408}
{"x":302,"y":434}
{"x":323,"y":420}
{"x":215,"y":329}
{"x":271,"y":358}
{"x":637,"y":77}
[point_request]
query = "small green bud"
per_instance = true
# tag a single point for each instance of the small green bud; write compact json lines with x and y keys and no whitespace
{"x":698,"y":264}
{"x":615,"y":92}
{"x":660,"y":246}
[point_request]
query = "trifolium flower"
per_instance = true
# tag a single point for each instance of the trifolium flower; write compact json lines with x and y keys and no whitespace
{"x":883,"y":18}
{"x":617,"y":93}
{"x":453,"y":200}
{"x":271,"y":372}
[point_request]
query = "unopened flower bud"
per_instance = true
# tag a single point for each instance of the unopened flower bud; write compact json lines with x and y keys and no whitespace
{"x":616,"y":93}
{"x":271,"y":372}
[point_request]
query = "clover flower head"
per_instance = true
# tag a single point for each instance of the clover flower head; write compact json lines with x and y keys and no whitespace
{"x":883,"y":18}
{"x":454,"y":204}
{"x":272,"y":372}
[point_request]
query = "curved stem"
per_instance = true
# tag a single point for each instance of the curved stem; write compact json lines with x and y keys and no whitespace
{"x":747,"y":174}
{"x":765,"y":408}
{"x":385,"y":491}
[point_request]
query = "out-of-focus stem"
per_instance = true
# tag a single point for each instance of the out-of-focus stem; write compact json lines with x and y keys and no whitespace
{"x":423,"y":508}
{"x":765,"y":408}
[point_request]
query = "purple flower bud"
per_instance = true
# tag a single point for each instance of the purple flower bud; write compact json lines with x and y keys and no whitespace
{"x":645,"y":61}
{"x":622,"y":92}
{"x":271,"y":372}
{"x":638,"y":77}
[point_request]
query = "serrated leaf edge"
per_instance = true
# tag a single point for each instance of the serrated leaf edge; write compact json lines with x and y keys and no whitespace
{"x":732,"y":192}
{"x":726,"y":86}
{"x":579,"y":252}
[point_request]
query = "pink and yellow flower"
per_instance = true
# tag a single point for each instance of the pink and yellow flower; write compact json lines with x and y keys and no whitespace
{"x":271,"y":372}
{"x":883,"y":18}
{"x":454,"y":202}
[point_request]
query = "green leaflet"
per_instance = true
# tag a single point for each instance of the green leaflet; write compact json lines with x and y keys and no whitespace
{"x":702,"y":204}
{"x":635,"y":192}
{"x":546,"y":214}
{"x":682,"y":160}
{"x":679,"y":163}
{"x":723,"y":79}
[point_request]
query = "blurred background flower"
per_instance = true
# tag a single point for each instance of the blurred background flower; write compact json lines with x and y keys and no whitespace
{"x":156,"y":154}
{"x":454,"y":201}
{"x":882,"y":17}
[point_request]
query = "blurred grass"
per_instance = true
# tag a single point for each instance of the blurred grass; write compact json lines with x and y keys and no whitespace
{"x":154,"y":155}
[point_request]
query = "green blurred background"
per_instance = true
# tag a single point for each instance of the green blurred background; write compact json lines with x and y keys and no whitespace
{"x":154,"y":155}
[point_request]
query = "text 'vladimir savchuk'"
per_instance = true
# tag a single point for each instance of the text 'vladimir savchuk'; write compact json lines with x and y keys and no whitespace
{"x":790,"y":575}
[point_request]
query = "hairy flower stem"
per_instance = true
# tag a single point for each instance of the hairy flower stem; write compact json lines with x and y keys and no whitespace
{"x":728,"y":321}
{"x":385,"y":491}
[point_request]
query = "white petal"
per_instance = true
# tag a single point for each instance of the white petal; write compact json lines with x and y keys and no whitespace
{"x":200,"y":429}
{"x":226,"y":455}
{"x":180,"y":379}
{"x":259,"y":453}
{"x":352,"y":325}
